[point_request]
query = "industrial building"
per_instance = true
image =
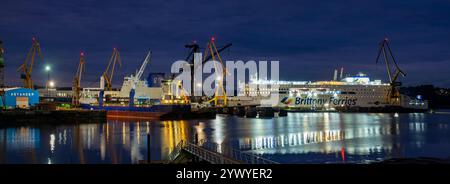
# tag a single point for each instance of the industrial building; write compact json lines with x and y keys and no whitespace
{"x":19,"y":98}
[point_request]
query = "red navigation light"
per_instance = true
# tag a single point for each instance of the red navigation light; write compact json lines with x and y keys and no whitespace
{"x":81,"y":53}
{"x":34,"y":38}
{"x":213,"y":38}
{"x":115,"y":48}
{"x":195,"y":41}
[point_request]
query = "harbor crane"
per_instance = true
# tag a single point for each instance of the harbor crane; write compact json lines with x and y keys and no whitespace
{"x":76,"y":88}
{"x":27,"y":67}
{"x":393,"y":71}
{"x":135,"y":79}
{"x":107,"y":76}
{"x":2,"y":66}
{"x":141,"y":70}
{"x":195,"y":48}
{"x":2,"y":75}
{"x":220,"y":96}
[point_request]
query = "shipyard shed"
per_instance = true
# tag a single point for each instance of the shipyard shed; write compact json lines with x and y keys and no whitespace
{"x":20,"y":98}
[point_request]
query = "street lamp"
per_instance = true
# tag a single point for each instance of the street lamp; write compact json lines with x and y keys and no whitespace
{"x":47,"y":69}
{"x":47,"y":84}
{"x":51,"y":84}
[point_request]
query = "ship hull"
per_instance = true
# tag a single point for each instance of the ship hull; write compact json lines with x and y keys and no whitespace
{"x":155,"y":112}
{"x":386,"y":109}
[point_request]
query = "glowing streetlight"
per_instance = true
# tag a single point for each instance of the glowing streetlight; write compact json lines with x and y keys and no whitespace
{"x":47,"y":69}
{"x":51,"y":84}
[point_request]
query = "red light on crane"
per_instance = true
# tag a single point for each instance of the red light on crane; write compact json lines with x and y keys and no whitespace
{"x":81,"y":53}
{"x":213,"y":38}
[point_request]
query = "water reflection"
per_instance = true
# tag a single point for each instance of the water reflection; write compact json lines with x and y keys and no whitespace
{"x":112,"y":142}
{"x":297,"y":138}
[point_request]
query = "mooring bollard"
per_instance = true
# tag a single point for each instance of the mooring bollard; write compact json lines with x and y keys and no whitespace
{"x":148,"y":148}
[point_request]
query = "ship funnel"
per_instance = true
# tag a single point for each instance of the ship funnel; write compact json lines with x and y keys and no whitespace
{"x":342,"y":73}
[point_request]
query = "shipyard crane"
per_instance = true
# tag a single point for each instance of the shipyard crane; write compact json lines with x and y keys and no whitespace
{"x":135,"y":79}
{"x":2,"y":82}
{"x":393,"y":71}
{"x":2,"y":66}
{"x":208,"y":57}
{"x":195,"y":48}
{"x":141,"y":70}
{"x":76,"y":88}
{"x":220,"y":96}
{"x":27,"y":67}
{"x":107,"y":76}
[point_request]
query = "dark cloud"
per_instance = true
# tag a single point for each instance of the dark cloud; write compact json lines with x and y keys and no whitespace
{"x":309,"y":38}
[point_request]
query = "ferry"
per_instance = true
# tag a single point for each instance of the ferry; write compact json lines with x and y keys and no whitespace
{"x":352,"y":93}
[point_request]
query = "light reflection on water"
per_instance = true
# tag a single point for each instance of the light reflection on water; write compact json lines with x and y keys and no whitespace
{"x":297,"y":138}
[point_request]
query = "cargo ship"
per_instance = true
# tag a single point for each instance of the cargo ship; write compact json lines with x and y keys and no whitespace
{"x":139,"y":99}
{"x":136,"y":107}
{"x":156,"y":112}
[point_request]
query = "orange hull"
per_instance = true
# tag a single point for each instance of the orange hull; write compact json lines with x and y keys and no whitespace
{"x":134,"y":115}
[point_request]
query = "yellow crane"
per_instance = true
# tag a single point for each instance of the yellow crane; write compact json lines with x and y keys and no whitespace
{"x":220,"y":96}
{"x":27,"y":67}
{"x":109,"y":72}
{"x":393,"y":71}
{"x":76,"y":88}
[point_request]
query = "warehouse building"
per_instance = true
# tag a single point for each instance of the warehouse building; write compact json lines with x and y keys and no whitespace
{"x":20,"y":98}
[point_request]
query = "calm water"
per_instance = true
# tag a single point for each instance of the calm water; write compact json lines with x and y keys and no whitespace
{"x":297,"y":138}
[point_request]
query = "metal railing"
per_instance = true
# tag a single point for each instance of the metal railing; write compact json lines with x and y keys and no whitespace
{"x":176,"y":151}
{"x":243,"y":157}
{"x":209,"y":155}
{"x":218,"y":154}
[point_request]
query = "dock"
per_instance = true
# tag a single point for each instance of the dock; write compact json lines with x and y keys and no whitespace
{"x":213,"y":153}
{"x":50,"y":117}
{"x":252,"y":111}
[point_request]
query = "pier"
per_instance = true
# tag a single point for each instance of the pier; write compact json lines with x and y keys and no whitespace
{"x":252,"y":111}
{"x":38,"y":117}
{"x":215,"y":154}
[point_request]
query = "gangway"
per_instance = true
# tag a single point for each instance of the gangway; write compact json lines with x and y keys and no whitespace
{"x":217,"y":154}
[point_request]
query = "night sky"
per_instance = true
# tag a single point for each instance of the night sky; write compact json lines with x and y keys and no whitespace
{"x":309,"y":38}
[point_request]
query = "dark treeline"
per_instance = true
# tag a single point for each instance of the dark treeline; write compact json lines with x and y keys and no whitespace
{"x":437,"y":97}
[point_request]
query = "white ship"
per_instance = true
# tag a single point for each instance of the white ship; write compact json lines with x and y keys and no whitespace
{"x":143,"y":94}
{"x":350,"y":93}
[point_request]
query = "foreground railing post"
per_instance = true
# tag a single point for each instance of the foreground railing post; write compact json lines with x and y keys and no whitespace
{"x":148,"y":148}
